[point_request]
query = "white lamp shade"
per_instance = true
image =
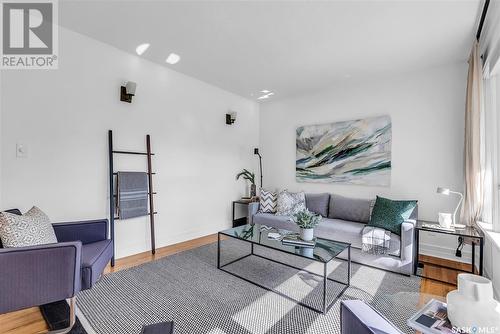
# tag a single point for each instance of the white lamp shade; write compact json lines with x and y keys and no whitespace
{"x":444,"y":191}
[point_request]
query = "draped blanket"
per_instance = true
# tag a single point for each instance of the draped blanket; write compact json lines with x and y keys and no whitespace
{"x":132,"y":194}
{"x":375,"y":240}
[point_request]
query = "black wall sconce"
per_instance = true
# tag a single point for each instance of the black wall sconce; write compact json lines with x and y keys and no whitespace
{"x":127,"y":91}
{"x":230,"y":117}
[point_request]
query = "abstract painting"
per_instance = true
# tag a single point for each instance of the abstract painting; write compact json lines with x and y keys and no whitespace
{"x":352,"y":152}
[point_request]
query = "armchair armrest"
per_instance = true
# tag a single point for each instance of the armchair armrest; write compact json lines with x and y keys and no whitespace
{"x":38,"y":275}
{"x":357,"y":317}
{"x":87,"y":231}
{"x":253,"y":208}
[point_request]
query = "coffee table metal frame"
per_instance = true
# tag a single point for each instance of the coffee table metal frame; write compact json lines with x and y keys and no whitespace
{"x":326,"y":306}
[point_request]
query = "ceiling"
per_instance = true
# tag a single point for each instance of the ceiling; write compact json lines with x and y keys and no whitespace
{"x":288,"y":47}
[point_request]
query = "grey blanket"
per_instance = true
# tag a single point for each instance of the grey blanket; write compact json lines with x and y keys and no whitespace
{"x":132,"y":194}
{"x":375,"y":240}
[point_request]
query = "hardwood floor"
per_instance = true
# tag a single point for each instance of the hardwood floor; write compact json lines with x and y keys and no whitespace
{"x":30,"y":321}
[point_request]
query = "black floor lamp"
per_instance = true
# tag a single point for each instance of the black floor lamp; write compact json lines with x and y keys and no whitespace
{"x":256,"y":151}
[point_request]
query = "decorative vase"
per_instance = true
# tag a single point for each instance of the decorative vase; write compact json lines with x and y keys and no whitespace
{"x":445,"y":220}
{"x":472,"y":305}
{"x":253,"y":190}
{"x":307,"y":234}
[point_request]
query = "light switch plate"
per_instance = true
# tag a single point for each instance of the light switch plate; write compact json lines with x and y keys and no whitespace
{"x":21,"y":150}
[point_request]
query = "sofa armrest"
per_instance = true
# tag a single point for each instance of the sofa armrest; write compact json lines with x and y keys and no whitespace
{"x":87,"y":231}
{"x":407,"y":240}
{"x":253,"y":208}
{"x":37,"y":275}
{"x":357,"y":317}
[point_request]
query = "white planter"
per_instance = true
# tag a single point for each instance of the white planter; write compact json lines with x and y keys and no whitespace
{"x":307,"y":234}
{"x":309,"y":252}
{"x":473,"y":304}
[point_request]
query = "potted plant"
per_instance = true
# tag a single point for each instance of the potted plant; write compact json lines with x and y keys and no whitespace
{"x":306,"y":220}
{"x":249,"y":176}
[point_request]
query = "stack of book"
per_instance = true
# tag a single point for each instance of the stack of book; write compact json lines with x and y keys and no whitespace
{"x":295,"y":240}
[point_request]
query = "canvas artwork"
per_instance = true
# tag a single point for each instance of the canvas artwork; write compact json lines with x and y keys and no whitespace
{"x":352,"y":152}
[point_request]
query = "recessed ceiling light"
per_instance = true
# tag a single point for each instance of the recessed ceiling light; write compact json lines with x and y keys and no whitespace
{"x":263,"y":97}
{"x":141,"y":48}
{"x":173,"y":58}
{"x":265,"y":91}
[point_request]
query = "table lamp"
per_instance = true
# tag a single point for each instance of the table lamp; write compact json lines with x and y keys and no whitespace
{"x":446,"y":191}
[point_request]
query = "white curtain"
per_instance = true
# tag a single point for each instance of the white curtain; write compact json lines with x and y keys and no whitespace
{"x":473,"y":197}
{"x":490,"y":49}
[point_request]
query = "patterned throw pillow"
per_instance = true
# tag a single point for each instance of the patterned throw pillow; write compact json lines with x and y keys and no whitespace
{"x":32,"y":228}
{"x":290,"y":203}
{"x":389,"y":214}
{"x":268,"y":201}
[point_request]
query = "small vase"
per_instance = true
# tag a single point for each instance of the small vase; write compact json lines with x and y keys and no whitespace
{"x":253,"y":190}
{"x":307,"y":234}
{"x":473,"y":304}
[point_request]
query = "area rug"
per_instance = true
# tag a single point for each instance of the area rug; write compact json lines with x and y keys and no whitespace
{"x":187,"y":288}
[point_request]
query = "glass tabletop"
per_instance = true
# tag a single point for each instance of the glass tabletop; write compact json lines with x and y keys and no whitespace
{"x":323,"y":251}
{"x":468,"y":231}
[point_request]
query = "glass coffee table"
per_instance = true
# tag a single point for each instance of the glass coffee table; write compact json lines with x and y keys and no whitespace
{"x":323,"y":252}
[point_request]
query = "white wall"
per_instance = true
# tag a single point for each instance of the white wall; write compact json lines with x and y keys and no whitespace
{"x":427,"y":112}
{"x":63,"y":116}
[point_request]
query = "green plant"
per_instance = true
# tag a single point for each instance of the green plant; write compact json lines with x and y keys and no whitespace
{"x":246,"y":175}
{"x":306,"y":219}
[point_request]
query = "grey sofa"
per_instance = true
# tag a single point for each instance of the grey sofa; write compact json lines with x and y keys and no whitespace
{"x":343,"y":220}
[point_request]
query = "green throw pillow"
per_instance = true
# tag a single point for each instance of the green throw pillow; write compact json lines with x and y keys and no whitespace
{"x":389,"y":214}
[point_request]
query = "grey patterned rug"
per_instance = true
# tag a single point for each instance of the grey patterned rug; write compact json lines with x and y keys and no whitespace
{"x":189,"y":289}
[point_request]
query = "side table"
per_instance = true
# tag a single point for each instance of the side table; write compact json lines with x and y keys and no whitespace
{"x":470,"y":232}
{"x":241,"y":220}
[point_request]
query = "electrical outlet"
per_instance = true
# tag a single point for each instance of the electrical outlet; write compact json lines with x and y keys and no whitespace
{"x":21,"y":150}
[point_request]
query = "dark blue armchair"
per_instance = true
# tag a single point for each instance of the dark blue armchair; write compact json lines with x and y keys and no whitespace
{"x":37,"y":275}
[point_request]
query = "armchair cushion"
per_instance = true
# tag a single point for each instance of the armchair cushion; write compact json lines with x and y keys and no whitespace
{"x":32,"y":228}
{"x":95,"y":257}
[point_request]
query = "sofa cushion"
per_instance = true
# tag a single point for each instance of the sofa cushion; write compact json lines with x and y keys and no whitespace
{"x":352,"y":209}
{"x":290,"y":203}
{"x":389,"y":214}
{"x":318,"y":203}
{"x":333,"y":229}
{"x":31,"y":229}
{"x":95,"y":257}
{"x":268,"y":201}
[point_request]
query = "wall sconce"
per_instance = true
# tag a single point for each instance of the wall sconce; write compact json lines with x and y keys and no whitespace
{"x":127,"y":91}
{"x":231,"y":117}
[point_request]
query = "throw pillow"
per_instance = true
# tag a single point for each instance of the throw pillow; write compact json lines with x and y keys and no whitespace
{"x":350,"y":209}
{"x":268,"y":201}
{"x":318,"y":203}
{"x":389,"y":214}
{"x":290,"y":203}
{"x":32,"y":228}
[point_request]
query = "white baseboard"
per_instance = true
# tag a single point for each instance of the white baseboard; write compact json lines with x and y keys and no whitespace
{"x":445,"y":252}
